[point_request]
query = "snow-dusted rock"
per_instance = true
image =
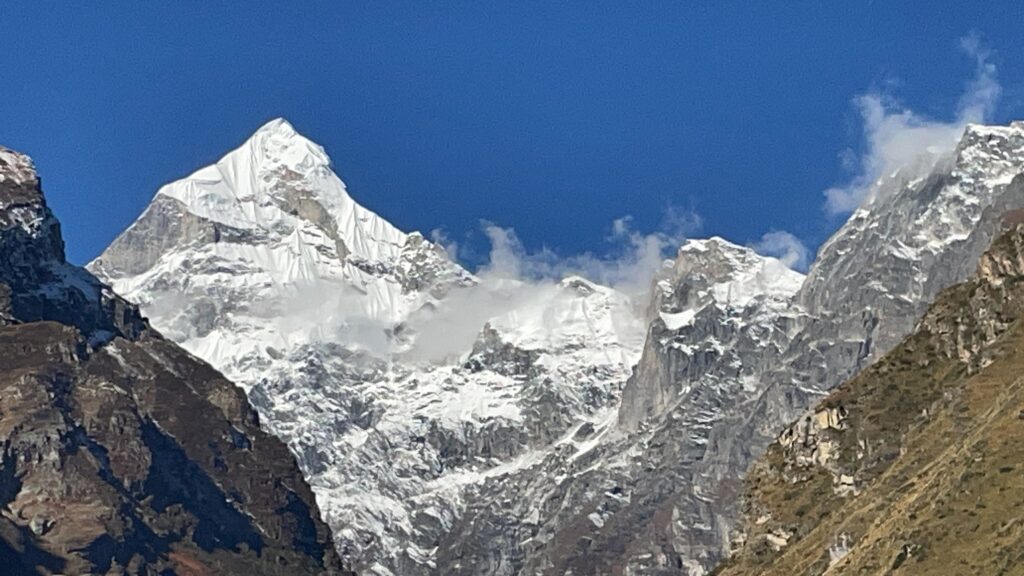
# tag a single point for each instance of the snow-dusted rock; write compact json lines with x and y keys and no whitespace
{"x":533,"y":447}
{"x":337,"y":325}
{"x":736,"y":350}
{"x":868,"y":287}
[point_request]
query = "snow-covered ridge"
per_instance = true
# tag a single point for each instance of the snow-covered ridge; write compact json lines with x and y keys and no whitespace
{"x":16,"y":167}
{"x":737,"y":274}
{"x":716,"y":272}
{"x":264,"y":265}
{"x":263,"y":184}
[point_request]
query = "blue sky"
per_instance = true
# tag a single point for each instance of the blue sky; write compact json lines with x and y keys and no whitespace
{"x":552,"y":118}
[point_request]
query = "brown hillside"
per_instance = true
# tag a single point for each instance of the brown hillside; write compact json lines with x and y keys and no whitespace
{"x":916,"y":466}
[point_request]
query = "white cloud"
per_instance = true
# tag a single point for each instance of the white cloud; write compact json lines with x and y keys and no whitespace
{"x":508,"y":258}
{"x":514,"y":277}
{"x":789,"y":249}
{"x":900,"y":139}
{"x":628,"y":266}
{"x":439,"y":237}
{"x":981,"y":96}
{"x":452,"y":327}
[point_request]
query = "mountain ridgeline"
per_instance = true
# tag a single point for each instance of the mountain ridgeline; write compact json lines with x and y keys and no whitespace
{"x":569,"y":429}
{"x":122,"y":453}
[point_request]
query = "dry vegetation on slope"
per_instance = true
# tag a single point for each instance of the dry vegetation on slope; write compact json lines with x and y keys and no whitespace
{"x":916,"y":466}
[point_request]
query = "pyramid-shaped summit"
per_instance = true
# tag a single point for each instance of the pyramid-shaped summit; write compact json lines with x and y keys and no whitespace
{"x":276,"y":183}
{"x":270,"y":227}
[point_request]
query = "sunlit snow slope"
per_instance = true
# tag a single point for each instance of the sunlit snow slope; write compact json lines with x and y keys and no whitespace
{"x":345,"y":333}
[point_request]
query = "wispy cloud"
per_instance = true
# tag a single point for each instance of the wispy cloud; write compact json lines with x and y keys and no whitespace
{"x":514,"y":277}
{"x":628,"y":265}
{"x":789,"y":249}
{"x":898,"y":138}
{"x":439,"y":237}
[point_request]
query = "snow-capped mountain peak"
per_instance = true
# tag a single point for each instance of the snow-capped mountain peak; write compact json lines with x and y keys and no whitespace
{"x":271,"y":252}
{"x":717,"y":271}
{"x":279,"y":180}
{"x":398,"y":379}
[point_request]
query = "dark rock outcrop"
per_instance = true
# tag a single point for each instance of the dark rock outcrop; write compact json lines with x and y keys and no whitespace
{"x":122,"y":453}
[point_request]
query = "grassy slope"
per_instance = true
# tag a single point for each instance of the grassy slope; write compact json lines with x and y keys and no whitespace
{"x":935,"y":442}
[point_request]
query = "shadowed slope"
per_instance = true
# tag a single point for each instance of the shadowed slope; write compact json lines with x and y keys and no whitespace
{"x":122,"y":453}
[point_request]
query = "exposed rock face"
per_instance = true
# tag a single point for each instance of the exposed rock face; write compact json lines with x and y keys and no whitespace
{"x":874,"y":278}
{"x":867,"y":288}
{"x":921,"y":471}
{"x":719,"y":305}
{"x":122,"y":453}
{"x":37,"y":282}
{"x":720,"y":375}
{"x":610,"y":500}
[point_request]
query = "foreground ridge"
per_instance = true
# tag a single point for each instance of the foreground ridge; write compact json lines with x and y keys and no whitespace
{"x":912,"y":467}
{"x":122,"y":453}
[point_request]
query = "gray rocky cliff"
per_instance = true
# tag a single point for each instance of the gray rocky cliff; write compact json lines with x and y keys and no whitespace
{"x":658,"y":492}
{"x":866,"y":290}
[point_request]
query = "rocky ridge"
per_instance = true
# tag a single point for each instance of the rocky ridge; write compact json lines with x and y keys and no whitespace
{"x":597,"y":504}
{"x":912,"y":467}
{"x":659,"y":496}
{"x":123,"y":454}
